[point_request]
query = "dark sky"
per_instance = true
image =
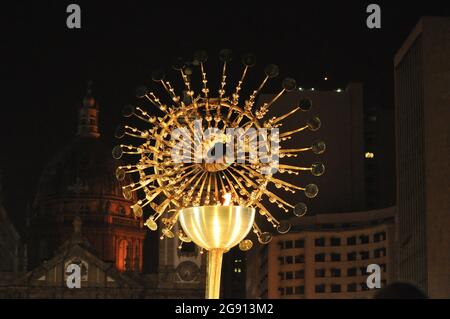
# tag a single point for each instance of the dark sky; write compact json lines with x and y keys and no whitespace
{"x":45,"y":65}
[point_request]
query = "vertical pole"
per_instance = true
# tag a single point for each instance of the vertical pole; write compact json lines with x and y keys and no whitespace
{"x":213,"y":273}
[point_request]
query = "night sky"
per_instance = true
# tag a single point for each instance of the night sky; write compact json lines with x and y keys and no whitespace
{"x":45,"y":65}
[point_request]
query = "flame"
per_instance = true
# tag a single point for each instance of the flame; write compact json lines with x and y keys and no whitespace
{"x":226,"y":199}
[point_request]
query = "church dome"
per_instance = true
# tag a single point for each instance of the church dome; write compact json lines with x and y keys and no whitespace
{"x":83,"y":168}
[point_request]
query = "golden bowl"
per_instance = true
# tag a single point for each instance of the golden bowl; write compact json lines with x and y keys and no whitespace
{"x":217,"y":227}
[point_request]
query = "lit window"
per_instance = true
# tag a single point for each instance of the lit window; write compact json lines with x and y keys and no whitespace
{"x":369,"y":155}
{"x":122,"y":255}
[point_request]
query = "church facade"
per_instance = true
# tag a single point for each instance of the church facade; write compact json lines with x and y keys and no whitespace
{"x":80,"y":217}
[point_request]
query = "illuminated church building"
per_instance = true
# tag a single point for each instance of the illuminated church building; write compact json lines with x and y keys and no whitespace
{"x":81,"y":217}
{"x":79,"y":181}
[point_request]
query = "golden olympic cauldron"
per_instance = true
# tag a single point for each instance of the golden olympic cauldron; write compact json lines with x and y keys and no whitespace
{"x":216,"y":229}
{"x":182,"y":189}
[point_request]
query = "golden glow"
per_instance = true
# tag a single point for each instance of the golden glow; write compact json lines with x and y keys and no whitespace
{"x":369,"y":155}
{"x":216,"y":229}
{"x":213,"y":272}
{"x":226,"y":199}
{"x":167,"y":185}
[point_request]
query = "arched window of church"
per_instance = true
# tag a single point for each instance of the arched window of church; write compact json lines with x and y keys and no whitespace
{"x":122,"y":255}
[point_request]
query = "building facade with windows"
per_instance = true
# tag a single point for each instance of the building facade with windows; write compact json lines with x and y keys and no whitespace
{"x":422,"y":100}
{"x":325,"y":256}
{"x":326,"y":253}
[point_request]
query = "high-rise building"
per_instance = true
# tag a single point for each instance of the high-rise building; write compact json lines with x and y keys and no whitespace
{"x":234,"y":273}
{"x":341,"y":115}
{"x":379,"y":157}
{"x":324,"y":256}
{"x":422,"y":101}
{"x":326,"y":253}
